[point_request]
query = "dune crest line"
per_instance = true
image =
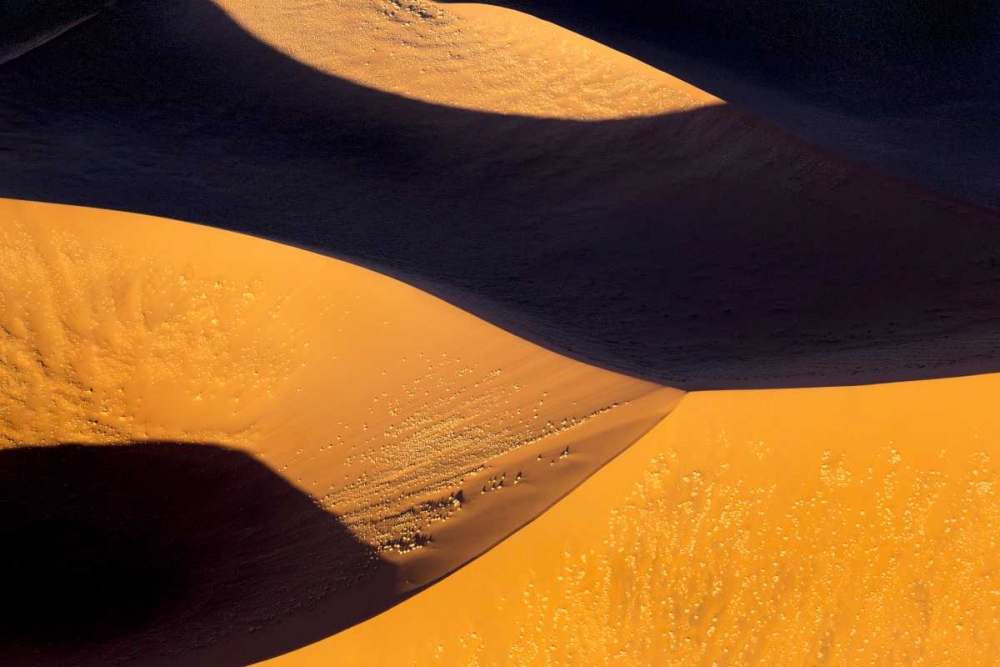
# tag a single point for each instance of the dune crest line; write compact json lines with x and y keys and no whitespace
{"x":428,"y":434}
{"x":684,"y":241}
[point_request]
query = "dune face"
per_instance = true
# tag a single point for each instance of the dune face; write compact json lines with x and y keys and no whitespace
{"x":910,"y":86}
{"x":864,"y":33}
{"x":633,"y":261}
{"x":219,"y":449}
{"x":847,"y":526}
{"x":467,"y":57}
{"x":370,"y":438}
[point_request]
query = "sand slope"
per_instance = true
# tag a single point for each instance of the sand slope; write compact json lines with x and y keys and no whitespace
{"x":850,"y":526}
{"x":609,"y":212}
{"x":428,"y":434}
{"x":468,"y":56}
{"x":909,"y":86}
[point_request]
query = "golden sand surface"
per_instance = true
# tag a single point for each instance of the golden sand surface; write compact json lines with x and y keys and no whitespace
{"x":835,"y":526}
{"x":699,"y":246}
{"x":841,"y":526}
{"x":415,"y":423}
{"x":469,"y":56}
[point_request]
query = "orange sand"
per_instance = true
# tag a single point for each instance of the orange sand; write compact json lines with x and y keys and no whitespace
{"x":408,"y":418}
{"x":830,"y":526}
{"x":467,"y":56}
{"x":675,"y":238}
{"x":849,"y":526}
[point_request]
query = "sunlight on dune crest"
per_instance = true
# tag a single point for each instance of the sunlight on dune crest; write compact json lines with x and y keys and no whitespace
{"x":119,"y":327}
{"x":474,"y":57}
{"x":467,"y":496}
{"x":411,"y":420}
{"x":847,"y":526}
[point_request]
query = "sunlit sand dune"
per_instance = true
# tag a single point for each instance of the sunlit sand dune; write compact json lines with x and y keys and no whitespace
{"x":425,"y":433}
{"x":468,"y":56}
{"x":216,"y":449}
{"x":848,"y":526}
{"x":561,"y":190}
{"x":911,"y":85}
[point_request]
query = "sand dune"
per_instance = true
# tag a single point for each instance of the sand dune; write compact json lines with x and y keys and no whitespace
{"x":699,"y":246}
{"x":849,"y":526}
{"x":468,"y":56}
{"x":215,"y":449}
{"x":911,"y":86}
{"x":426,"y":434}
{"x":829,"y":36}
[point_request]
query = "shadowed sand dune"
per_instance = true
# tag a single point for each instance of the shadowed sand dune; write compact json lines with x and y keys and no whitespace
{"x":357,"y":410}
{"x":912,"y":86}
{"x":181,"y":554}
{"x":797,"y":39}
{"x":370,"y":439}
{"x":851,"y":526}
{"x":701,"y":248}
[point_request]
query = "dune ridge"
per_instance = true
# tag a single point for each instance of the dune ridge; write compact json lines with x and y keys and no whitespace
{"x":835,"y":526}
{"x":909,"y":86}
{"x":427,"y":433}
{"x":606,"y":240}
{"x":612,"y":212}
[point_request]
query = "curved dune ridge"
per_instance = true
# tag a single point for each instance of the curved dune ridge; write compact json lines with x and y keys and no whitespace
{"x":911,"y":86}
{"x":609,"y":212}
{"x":469,"y":56}
{"x":422,"y":434}
{"x":844,"y":526}
{"x":216,"y":449}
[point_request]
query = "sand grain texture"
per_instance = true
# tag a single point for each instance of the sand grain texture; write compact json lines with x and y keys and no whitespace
{"x":345,"y":438}
{"x":607,"y":211}
{"x":426,"y":432}
{"x":849,"y":526}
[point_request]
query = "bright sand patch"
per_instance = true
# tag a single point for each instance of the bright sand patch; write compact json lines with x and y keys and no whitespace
{"x":699,"y":247}
{"x":469,"y":56}
{"x":841,"y":526}
{"x":702,"y":544}
{"x":409,"y":419}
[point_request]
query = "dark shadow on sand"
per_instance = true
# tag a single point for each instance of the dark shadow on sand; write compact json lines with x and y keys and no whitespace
{"x":170,"y":554}
{"x":875,"y":50}
{"x":910,"y":85}
{"x":697,"y":249}
{"x":25,"y":24}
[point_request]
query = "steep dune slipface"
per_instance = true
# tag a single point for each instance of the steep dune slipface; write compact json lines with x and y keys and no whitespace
{"x":427,"y":434}
{"x":846,"y":526}
{"x":697,"y":246}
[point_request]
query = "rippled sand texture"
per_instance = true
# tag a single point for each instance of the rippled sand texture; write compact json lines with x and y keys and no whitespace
{"x":308,"y":443}
{"x":472,"y":56}
{"x":416,"y":424}
{"x":570,"y":194}
{"x":850,"y":526}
